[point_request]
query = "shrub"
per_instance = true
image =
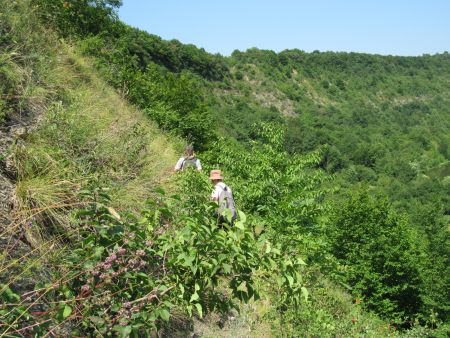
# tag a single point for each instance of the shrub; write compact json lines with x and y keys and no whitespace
{"x":381,"y":263}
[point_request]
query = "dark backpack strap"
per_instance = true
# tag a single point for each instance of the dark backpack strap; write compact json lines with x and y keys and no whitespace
{"x":227,"y":202}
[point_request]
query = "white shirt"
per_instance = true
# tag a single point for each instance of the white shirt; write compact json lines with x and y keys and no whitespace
{"x":218,"y":188}
{"x":180,"y":164}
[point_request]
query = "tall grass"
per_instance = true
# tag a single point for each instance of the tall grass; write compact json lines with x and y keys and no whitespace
{"x":80,"y":133}
{"x":90,"y":136}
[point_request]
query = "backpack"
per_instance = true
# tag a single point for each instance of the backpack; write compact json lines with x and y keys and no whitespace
{"x":190,"y":162}
{"x":226,"y":201}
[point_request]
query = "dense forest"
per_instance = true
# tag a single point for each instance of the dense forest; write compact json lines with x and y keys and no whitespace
{"x":339,"y":165}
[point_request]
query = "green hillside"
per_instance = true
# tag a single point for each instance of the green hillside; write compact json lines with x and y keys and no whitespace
{"x":380,"y":120}
{"x":338,"y":163}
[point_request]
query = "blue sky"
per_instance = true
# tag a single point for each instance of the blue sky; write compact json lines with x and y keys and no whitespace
{"x":396,"y":27}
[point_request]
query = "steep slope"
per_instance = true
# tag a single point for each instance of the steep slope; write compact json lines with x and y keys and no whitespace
{"x":89,"y":136}
{"x":80,"y":174}
{"x":62,"y":129}
{"x":68,"y":136}
{"x":378,"y":123}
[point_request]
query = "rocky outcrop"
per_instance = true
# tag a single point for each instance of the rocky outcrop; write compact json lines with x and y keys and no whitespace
{"x":13,"y":244}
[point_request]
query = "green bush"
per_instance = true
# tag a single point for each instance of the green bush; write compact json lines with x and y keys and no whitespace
{"x":381,"y":262}
{"x":126,"y":276}
{"x":79,"y":17}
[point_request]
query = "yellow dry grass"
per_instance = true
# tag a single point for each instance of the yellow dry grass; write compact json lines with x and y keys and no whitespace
{"x":123,"y":133}
{"x":91,"y":137}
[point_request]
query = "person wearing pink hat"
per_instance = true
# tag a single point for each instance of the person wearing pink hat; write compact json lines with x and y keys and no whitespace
{"x":222,"y":194}
{"x":216,"y":179}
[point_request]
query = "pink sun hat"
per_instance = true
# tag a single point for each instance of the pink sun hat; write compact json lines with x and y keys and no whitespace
{"x":215,"y":175}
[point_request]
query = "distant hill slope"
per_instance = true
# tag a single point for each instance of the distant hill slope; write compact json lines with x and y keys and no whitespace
{"x":329,"y":93}
{"x":380,"y":120}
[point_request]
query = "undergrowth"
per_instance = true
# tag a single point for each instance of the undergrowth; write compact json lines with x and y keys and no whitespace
{"x":110,"y":252}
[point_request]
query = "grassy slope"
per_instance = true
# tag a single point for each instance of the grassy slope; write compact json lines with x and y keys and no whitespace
{"x":65,"y":130}
{"x":91,"y":136}
{"x":79,"y":131}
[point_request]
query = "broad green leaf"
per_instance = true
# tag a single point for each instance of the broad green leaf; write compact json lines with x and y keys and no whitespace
{"x":67,"y":311}
{"x":194,"y":297}
{"x":98,"y":251}
{"x":276,"y":251}
{"x":182,"y":290}
{"x":259,"y":228}
{"x":163,"y":287}
{"x":301,"y":261}
{"x":239,"y":225}
{"x":226,"y":268}
{"x":189,"y":310}
{"x":199,"y":309}
{"x":243,"y":287}
{"x":164,"y":314}
{"x":124,"y":331}
{"x":227,"y":214}
{"x":290,"y":280}
{"x":242,"y":216}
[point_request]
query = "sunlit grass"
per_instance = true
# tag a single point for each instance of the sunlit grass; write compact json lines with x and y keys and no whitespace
{"x":91,"y":136}
{"x":83,"y":134}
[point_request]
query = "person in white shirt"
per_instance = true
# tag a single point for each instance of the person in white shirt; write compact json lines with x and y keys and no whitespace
{"x":216,"y":179}
{"x":223,"y":196}
{"x":189,"y":160}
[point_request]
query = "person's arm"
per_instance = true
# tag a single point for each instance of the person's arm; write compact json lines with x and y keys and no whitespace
{"x":179,"y":164}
